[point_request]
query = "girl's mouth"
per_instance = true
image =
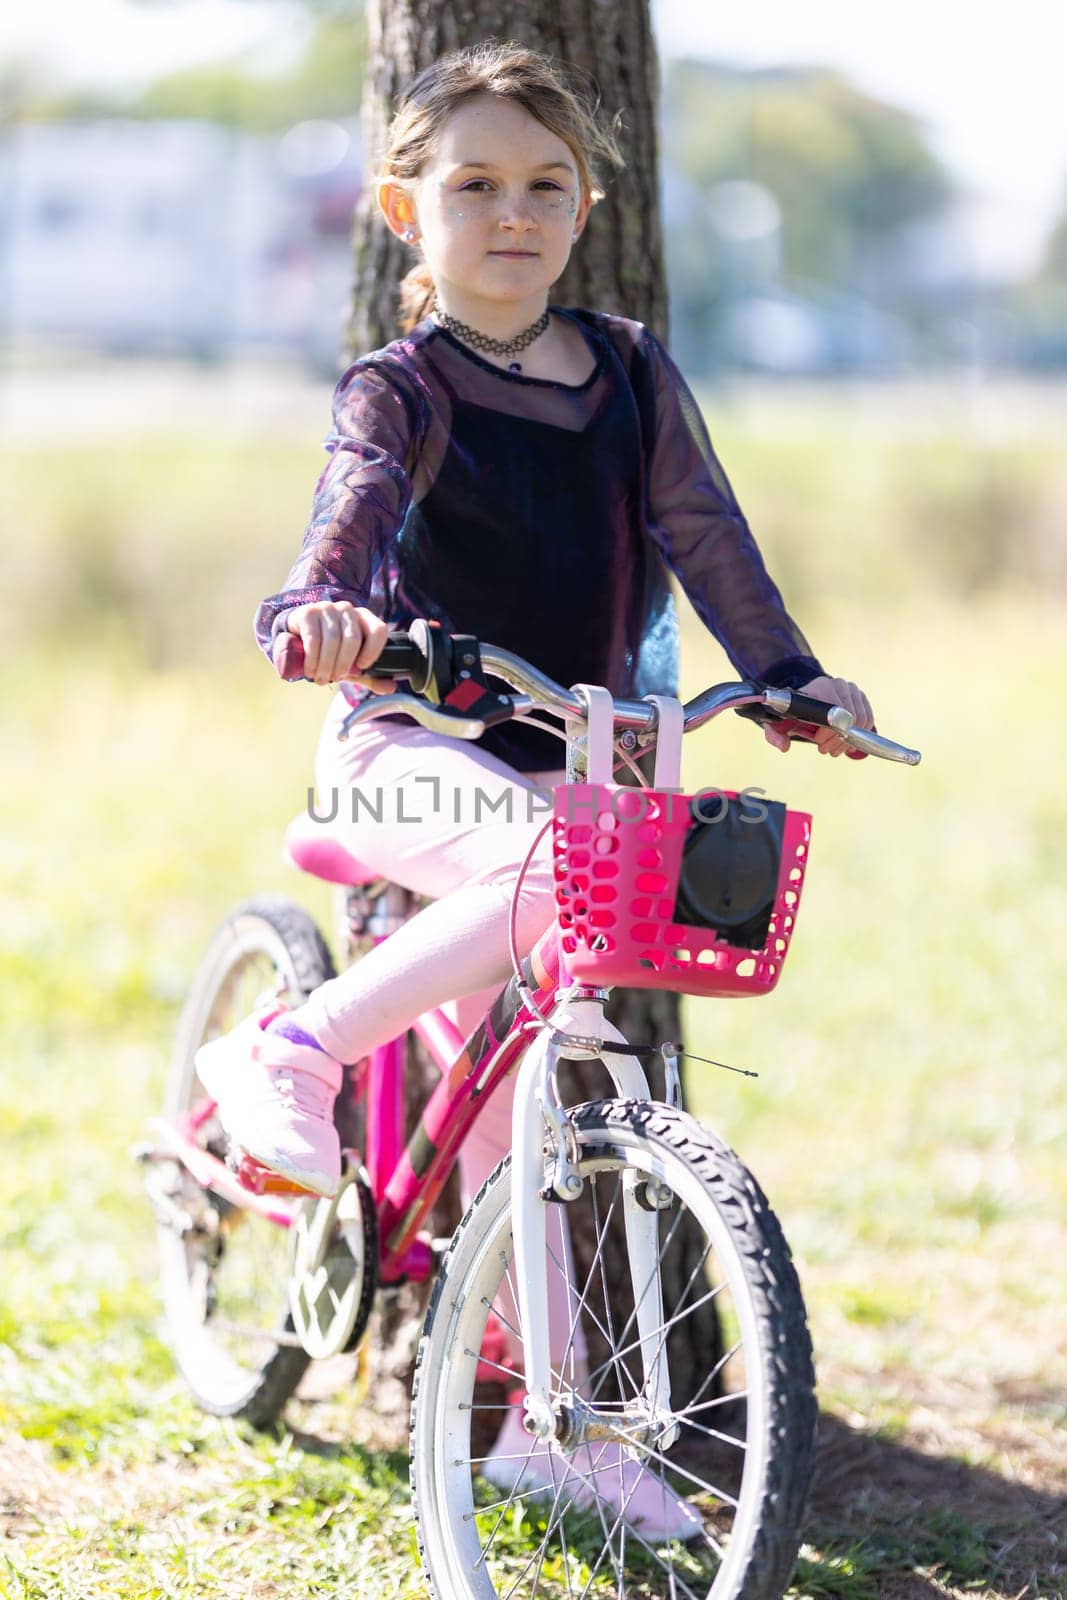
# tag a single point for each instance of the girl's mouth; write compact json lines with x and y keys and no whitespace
{"x":515,"y":255}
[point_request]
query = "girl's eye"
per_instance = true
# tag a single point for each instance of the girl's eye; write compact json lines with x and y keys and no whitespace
{"x":481,"y":185}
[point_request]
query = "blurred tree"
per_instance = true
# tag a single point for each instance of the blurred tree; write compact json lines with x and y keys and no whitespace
{"x":1054,"y":260}
{"x":845,"y":170}
{"x":326,"y":80}
{"x":1034,"y":311}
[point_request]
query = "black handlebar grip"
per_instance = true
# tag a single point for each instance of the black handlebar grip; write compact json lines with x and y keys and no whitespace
{"x":804,"y":709}
{"x":807,"y":709}
{"x":401,"y":657}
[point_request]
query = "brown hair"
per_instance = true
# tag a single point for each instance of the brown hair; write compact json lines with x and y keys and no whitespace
{"x":562,"y":98}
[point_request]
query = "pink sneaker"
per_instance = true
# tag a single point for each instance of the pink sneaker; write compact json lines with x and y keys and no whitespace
{"x":275,"y":1100}
{"x":603,"y":1472}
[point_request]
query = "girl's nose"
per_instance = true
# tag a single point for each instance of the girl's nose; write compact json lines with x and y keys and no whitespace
{"x":517,"y":214}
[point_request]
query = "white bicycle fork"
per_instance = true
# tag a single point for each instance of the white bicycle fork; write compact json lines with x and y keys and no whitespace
{"x":537,"y":1109}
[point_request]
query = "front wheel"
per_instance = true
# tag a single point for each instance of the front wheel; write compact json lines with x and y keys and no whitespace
{"x":735,"y":1443}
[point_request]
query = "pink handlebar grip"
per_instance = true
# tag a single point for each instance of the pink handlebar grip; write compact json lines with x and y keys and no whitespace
{"x":287,"y":653}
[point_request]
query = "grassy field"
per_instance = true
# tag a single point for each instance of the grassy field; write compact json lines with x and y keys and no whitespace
{"x":908,"y":1120}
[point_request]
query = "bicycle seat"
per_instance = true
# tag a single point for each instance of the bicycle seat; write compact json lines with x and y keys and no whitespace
{"x":310,"y":846}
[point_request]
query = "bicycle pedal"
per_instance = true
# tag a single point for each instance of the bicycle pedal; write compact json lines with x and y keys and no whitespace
{"x":253,"y":1175}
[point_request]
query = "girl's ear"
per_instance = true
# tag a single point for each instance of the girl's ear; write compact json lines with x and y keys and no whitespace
{"x":396,"y":206}
{"x":581,"y":216}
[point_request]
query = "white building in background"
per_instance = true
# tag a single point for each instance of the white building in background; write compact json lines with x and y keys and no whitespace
{"x":177,"y":237}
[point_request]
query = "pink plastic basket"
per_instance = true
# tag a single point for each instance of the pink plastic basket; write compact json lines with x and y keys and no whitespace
{"x":618,"y":858}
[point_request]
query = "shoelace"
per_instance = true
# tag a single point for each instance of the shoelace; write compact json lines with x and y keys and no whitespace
{"x":306,"y":1092}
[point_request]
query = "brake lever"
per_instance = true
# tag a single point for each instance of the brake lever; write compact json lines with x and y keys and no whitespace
{"x":793,"y":728}
{"x":439,"y":719}
{"x":456,"y":721}
{"x":862,"y":742}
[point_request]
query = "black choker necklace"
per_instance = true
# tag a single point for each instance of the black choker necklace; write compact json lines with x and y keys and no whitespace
{"x":482,"y":341}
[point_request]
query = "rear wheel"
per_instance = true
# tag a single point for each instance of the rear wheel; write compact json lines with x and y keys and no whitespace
{"x":224,"y":1269}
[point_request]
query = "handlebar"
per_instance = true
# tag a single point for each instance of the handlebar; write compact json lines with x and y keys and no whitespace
{"x":445,"y":670}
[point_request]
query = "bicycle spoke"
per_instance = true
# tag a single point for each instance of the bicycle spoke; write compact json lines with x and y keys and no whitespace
{"x":598,"y":1259}
{"x":490,"y":1305}
{"x":538,"y":1555}
{"x":710,"y":1433}
{"x":504,"y":1509}
{"x":683,"y":1472}
{"x":554,"y":1521}
{"x":710,"y":1377}
{"x":601,"y":1330}
{"x":607,"y":1298}
{"x":487,"y":1361}
{"x":638,"y":1301}
{"x":732,"y":1398}
{"x":514,"y":1494}
{"x":652,"y":1368}
{"x":628,"y":1529}
{"x":511,"y":1285}
{"x":672,"y":1322}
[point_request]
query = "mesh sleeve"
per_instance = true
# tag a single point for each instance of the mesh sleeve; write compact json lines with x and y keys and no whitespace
{"x":360,"y":500}
{"x":704,"y":539}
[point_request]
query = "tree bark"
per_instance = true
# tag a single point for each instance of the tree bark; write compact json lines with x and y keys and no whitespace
{"x":618,"y":267}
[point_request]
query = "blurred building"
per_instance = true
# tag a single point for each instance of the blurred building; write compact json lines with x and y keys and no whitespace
{"x":177,"y":237}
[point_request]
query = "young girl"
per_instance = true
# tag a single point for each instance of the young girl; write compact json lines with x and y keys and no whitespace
{"x":525,"y":473}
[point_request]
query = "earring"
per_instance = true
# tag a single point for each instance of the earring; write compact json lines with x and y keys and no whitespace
{"x":409,"y":236}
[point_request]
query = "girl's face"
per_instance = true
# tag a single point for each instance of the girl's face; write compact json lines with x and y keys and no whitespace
{"x":497,"y":208}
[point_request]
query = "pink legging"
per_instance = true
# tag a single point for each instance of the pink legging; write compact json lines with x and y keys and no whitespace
{"x":443,"y":818}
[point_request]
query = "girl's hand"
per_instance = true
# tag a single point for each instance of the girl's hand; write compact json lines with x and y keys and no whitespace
{"x":340,"y":641}
{"x":842,"y":693}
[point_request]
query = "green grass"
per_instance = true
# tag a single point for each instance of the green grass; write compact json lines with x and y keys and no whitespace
{"x":908,"y":1120}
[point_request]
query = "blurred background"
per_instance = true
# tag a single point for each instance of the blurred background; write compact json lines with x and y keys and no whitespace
{"x":866,"y":234}
{"x":883,"y":202}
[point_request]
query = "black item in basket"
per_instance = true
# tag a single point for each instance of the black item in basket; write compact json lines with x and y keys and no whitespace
{"x":730,"y":864}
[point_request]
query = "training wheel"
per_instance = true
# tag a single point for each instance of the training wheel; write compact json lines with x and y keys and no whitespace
{"x":333,"y":1267}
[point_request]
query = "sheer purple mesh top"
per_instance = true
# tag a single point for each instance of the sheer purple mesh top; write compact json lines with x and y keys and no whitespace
{"x":541,"y":516}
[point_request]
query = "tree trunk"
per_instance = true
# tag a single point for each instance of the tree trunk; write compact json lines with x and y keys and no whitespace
{"x":618,"y":267}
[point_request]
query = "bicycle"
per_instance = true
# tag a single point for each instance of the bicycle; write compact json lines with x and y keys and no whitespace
{"x":643,"y":898}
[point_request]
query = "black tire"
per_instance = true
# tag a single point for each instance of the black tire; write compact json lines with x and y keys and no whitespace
{"x":267,"y":945}
{"x":764,"y":1431}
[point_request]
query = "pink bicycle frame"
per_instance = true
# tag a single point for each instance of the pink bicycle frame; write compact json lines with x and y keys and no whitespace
{"x":407,"y":1182}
